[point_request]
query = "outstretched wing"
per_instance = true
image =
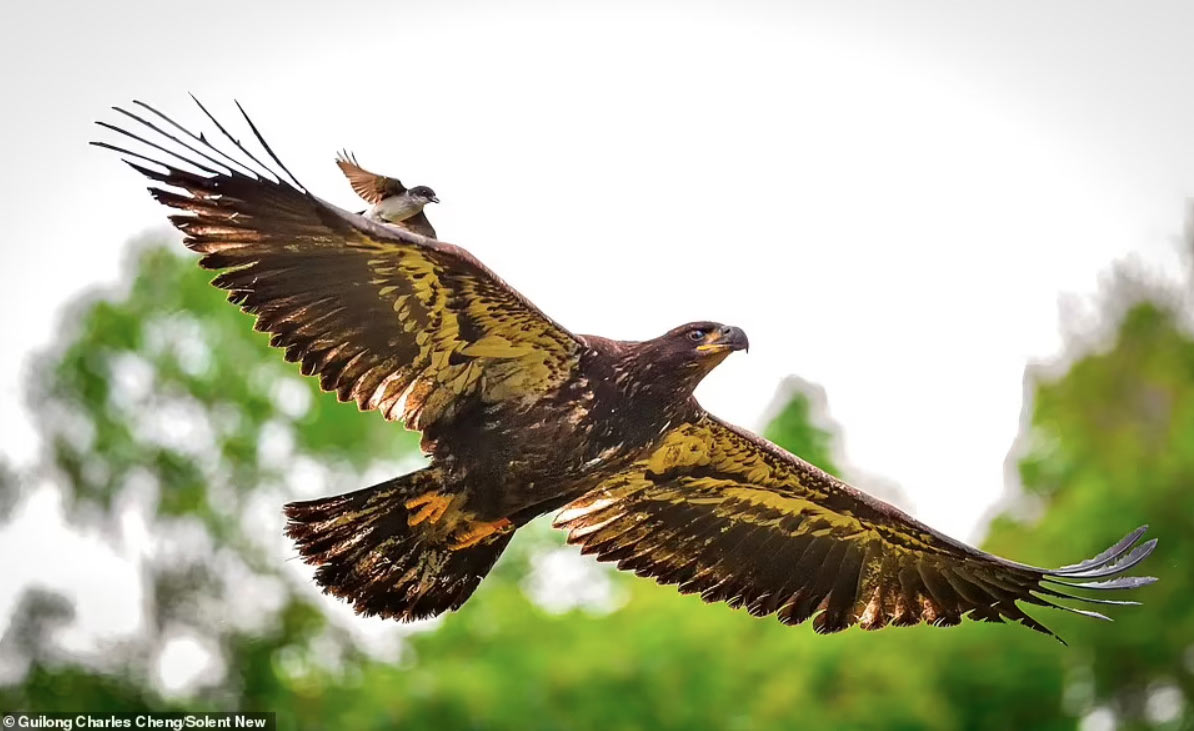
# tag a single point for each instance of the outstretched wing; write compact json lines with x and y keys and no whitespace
{"x":722,"y":512}
{"x":370,"y":186}
{"x":397,"y":322}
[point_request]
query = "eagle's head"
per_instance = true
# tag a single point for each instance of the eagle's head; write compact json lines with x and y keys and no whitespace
{"x":702,"y":342}
{"x":677,"y":360}
{"x":422,"y":195}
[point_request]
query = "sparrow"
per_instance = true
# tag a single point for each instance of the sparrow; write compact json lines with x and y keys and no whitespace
{"x":392,"y":202}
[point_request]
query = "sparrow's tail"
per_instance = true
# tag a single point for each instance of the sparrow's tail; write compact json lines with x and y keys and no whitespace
{"x":403,"y":549}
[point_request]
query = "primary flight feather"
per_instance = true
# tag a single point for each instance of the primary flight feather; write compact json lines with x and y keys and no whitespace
{"x":521,"y":417}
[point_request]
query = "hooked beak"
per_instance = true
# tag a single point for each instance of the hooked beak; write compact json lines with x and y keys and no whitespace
{"x":726,"y":339}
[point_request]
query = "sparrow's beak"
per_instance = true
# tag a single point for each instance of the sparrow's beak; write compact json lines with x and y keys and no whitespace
{"x":433,"y":199}
{"x":727,"y":338}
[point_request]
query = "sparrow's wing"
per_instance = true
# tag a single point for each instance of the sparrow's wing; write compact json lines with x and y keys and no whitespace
{"x":397,"y":322}
{"x":419,"y":224}
{"x":719,"y":511}
{"x":370,"y":186}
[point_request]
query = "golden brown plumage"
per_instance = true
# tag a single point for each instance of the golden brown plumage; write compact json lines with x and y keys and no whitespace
{"x":521,"y":417}
{"x":723,"y":513}
{"x":364,"y":308}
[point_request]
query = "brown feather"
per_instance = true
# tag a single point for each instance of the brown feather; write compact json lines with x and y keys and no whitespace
{"x":419,"y":224}
{"x":360,"y":303}
{"x":797,"y":541}
{"x":373,"y":188}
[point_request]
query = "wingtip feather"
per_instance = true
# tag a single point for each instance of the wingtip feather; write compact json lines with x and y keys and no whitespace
{"x":1106,"y":556}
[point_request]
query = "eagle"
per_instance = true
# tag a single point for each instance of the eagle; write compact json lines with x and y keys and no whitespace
{"x":520,"y":417}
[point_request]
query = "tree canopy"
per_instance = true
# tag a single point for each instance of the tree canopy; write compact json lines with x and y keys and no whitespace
{"x":161,"y":405}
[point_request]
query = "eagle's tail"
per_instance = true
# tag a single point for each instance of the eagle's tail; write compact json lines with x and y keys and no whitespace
{"x":403,"y":549}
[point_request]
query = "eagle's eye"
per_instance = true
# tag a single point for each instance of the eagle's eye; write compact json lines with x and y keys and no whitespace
{"x":696,"y":335}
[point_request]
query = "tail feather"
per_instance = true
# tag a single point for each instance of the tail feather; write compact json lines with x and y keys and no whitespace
{"x":369,"y":554}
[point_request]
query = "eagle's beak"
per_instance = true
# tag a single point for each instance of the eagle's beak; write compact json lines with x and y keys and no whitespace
{"x":727,"y":338}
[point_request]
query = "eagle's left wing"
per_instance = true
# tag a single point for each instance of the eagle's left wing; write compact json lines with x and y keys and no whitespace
{"x":724,"y":513}
{"x":397,"y":322}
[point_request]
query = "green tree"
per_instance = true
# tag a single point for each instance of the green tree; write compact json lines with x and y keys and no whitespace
{"x":801,"y":425}
{"x":162,"y":398}
{"x":1112,"y":445}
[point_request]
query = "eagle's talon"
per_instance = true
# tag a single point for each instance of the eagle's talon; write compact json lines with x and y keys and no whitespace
{"x":478,"y":532}
{"x":432,"y":506}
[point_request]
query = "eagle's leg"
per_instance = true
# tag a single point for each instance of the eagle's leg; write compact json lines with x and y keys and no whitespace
{"x":479,"y":531}
{"x":370,"y":551}
{"x":432,"y":506}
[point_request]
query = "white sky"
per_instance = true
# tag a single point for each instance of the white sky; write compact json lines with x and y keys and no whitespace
{"x":889,"y":198}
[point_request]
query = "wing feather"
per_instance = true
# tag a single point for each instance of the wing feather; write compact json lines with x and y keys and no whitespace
{"x":419,"y":224}
{"x":719,"y":512}
{"x":384,"y":317}
{"x":369,"y":186}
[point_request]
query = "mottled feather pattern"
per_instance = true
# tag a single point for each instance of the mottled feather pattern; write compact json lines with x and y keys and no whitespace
{"x":721,"y":513}
{"x":393,"y":321}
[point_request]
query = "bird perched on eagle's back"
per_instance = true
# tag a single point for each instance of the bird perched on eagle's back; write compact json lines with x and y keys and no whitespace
{"x":391,"y":201}
{"x":521,"y":416}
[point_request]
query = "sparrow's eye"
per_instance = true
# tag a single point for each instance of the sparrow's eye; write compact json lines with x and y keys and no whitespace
{"x":696,"y":335}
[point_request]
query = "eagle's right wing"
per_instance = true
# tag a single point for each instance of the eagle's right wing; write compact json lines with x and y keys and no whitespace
{"x":719,"y":511}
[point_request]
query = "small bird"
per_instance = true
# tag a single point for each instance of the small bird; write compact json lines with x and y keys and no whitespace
{"x":392,"y":201}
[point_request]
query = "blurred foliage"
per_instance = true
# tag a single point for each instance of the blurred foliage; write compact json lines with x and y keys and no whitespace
{"x":797,"y":428}
{"x":162,"y":402}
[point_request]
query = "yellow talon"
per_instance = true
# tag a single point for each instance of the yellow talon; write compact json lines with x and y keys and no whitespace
{"x":433,"y":506}
{"x":479,"y":532}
